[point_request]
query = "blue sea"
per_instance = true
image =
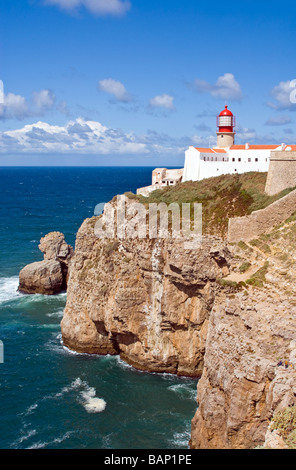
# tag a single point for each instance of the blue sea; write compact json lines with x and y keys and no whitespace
{"x":47,"y":392}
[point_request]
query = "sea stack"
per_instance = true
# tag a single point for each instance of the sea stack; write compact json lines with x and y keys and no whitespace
{"x":48,"y":277}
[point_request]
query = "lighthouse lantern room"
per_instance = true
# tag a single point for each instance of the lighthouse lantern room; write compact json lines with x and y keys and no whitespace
{"x":226,"y":125}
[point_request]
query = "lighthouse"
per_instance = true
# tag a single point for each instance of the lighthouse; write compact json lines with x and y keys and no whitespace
{"x":226,"y":125}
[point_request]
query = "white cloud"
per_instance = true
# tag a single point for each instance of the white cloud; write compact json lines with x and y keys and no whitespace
{"x":226,"y":88}
{"x":82,"y":136}
{"x":13,"y":106}
{"x":18,"y":107}
{"x":77,"y":136}
{"x":162,"y":101}
{"x":43,"y":99}
{"x":115,"y":88}
{"x":97,"y":7}
{"x":283,"y":95}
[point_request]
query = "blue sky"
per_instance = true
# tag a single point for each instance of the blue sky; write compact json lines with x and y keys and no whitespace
{"x":134,"y":82}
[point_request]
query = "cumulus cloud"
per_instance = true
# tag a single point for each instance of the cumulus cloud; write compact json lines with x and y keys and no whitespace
{"x":284,"y":96}
{"x":43,"y":99}
{"x":96,"y":7}
{"x":116,"y":89}
{"x":225,"y":88}
{"x":162,"y":101}
{"x":13,"y":106}
{"x":82,"y":136}
{"x":77,"y":136}
{"x":18,"y":107}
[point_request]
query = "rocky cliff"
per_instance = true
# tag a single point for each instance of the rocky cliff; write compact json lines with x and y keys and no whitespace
{"x":225,"y":313}
{"x":147,"y":300}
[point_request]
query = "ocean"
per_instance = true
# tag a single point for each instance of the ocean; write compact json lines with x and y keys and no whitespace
{"x":50,"y":397}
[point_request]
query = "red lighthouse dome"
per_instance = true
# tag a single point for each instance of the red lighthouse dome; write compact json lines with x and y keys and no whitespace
{"x":226,"y":121}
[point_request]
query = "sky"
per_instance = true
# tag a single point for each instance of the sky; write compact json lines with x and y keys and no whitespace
{"x":134,"y":82}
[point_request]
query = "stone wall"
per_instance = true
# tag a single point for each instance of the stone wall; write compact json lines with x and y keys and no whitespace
{"x":281,"y":173}
{"x":251,"y":226}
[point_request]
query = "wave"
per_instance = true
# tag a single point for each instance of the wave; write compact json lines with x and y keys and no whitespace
{"x":88,"y":398}
{"x":185,"y":390}
{"x":58,"y":314}
{"x":8,"y":289}
{"x":181,"y":440}
{"x":9,"y":292}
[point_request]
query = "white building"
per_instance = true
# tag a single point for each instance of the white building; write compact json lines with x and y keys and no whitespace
{"x":227,"y":157}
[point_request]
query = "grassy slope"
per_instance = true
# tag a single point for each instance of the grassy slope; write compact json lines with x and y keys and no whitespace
{"x":222,"y":197}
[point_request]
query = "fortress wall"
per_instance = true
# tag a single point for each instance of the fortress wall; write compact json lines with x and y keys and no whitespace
{"x":251,"y":226}
{"x":282,"y":172}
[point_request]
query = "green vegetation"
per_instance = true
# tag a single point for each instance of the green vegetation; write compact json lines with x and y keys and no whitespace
{"x":222,"y":197}
{"x":243,"y":246}
{"x":231,"y":284}
{"x":258,"y":278}
{"x":261,"y":245}
{"x":244,"y":267}
{"x":284,"y":421}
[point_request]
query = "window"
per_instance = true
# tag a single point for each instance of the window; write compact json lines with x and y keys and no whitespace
{"x":233,"y":159}
{"x":249,"y":159}
{"x":239,"y":159}
{"x":256,"y":159}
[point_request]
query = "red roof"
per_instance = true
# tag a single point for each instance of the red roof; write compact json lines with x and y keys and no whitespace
{"x":243,"y":147}
{"x":254,"y":147}
{"x":207,"y":150}
{"x":226,"y":112}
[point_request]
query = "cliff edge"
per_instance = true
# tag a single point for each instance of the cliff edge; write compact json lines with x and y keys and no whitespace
{"x":223,"y":312}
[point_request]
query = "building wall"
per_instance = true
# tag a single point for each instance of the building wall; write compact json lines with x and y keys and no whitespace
{"x":225,"y":140}
{"x":206,"y":165}
{"x":158,"y":174}
{"x":282,"y":172}
{"x":262,"y":221}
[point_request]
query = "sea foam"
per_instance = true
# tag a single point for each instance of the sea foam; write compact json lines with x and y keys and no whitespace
{"x":8,"y":288}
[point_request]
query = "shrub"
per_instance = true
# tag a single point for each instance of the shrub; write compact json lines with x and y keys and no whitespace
{"x":284,"y":421}
{"x":258,"y":278}
{"x":244,"y":267}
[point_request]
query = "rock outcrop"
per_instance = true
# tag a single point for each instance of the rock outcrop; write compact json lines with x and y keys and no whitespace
{"x":49,"y":276}
{"x":249,"y":366}
{"x":146,"y":300}
{"x":164,"y":307}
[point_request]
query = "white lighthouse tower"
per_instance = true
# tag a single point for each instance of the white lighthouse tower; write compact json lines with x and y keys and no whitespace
{"x":226,"y":125}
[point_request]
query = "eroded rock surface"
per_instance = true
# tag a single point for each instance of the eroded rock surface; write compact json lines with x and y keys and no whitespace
{"x":147,"y":300}
{"x":162,"y":307}
{"x":49,"y":276}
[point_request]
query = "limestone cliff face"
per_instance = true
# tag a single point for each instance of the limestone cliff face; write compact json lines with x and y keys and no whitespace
{"x":250,"y":352}
{"x":162,"y":307}
{"x":147,"y":300}
{"x":242,"y":386}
